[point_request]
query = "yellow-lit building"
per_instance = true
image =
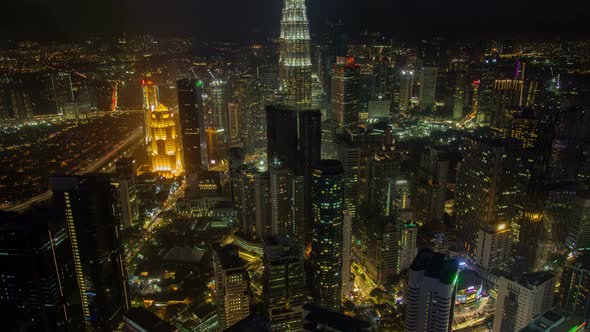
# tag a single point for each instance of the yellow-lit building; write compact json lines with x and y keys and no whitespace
{"x":164,"y":142}
{"x":151,"y":101}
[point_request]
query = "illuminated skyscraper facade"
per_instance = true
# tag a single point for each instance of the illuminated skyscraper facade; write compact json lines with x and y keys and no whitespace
{"x":151,"y":100}
{"x":232,"y":286}
{"x":345,"y":91}
{"x":294,"y":55}
{"x":327,"y":233}
{"x":165,"y":146}
{"x":283,"y":284}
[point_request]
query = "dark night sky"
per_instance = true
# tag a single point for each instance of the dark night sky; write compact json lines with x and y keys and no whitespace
{"x":243,"y":19}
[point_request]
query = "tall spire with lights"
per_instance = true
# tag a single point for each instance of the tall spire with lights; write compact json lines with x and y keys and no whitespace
{"x":294,"y":55}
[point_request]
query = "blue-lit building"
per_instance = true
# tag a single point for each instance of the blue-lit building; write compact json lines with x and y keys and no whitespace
{"x":327,"y":233}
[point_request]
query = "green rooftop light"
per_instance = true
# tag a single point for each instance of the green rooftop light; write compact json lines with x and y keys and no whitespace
{"x":199,"y":83}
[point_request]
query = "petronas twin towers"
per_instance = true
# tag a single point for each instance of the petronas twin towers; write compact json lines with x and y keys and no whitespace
{"x":294,"y":55}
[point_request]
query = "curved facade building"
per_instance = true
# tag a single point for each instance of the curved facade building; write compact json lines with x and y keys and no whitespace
{"x":327,"y":233}
{"x":294,"y":55}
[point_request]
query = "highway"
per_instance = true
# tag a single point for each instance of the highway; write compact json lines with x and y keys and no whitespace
{"x":92,"y":167}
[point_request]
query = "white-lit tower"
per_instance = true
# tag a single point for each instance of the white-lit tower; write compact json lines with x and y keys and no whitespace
{"x":294,"y":55}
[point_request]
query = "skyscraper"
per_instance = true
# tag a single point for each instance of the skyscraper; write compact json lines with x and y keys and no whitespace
{"x":219,"y":102}
{"x":232,"y":286}
{"x":192,"y":124}
{"x":493,"y":246}
{"x":431,"y":185}
{"x":151,"y":100}
{"x":575,"y":282}
{"x":294,"y":55}
{"x":521,"y":298}
{"x":283,"y":284}
{"x":430,"y":293}
{"x":127,"y":192}
{"x":262,"y":204}
{"x":286,"y":201}
{"x":327,"y":233}
{"x":481,"y":180}
{"x":578,"y":237}
{"x":86,"y":206}
{"x":294,"y":139}
{"x":165,"y":146}
{"x":427,"y":96}
{"x":345,"y":92}
{"x":405,"y":89}
{"x":33,"y":292}
{"x":408,"y":234}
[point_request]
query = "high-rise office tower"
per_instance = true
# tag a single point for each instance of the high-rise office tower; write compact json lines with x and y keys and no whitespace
{"x":283,"y":284}
{"x":219,"y":102}
{"x":430,"y":293}
{"x":151,"y":100}
{"x":215,"y":146}
{"x":578,"y":237}
{"x":383,"y":167}
{"x":33,"y":292}
{"x":431,"y":185}
{"x":245,"y":199}
{"x":460,"y":95}
{"x":382,"y":248}
{"x":294,"y":139}
{"x":489,"y":73}
{"x":327,"y":233}
{"x":347,"y":283}
{"x":251,"y":116}
{"x":350,"y":155}
{"x":86,"y":206}
{"x":294,"y":55}
{"x":164,"y":142}
{"x":63,"y":95}
{"x":481,"y":181}
{"x":506,"y":99}
{"x":329,"y":148}
{"x":408,"y":234}
{"x":263,"y":208}
{"x":575,"y":282}
{"x":345,"y":92}
{"x":427,"y":95}
{"x":192,"y":125}
{"x":21,"y":104}
{"x":127,"y":191}
{"x":401,"y":196}
{"x":493,"y":246}
{"x":286,"y":201}
{"x":521,"y":298}
{"x":405,"y":89}
{"x":232,"y":286}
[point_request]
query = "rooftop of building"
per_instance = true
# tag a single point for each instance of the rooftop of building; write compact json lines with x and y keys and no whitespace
{"x":229,"y":257}
{"x":555,"y":321}
{"x":317,"y":317}
{"x":436,"y":265}
{"x":533,"y":279}
{"x":328,"y":167}
{"x":147,"y":321}
{"x":252,"y":323}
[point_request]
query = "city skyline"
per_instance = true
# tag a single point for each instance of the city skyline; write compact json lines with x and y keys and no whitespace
{"x":299,"y":175}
